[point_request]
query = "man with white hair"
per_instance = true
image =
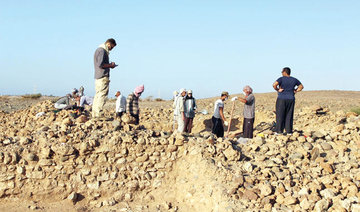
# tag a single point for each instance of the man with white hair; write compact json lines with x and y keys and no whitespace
{"x":249,"y":111}
{"x":179,"y":110}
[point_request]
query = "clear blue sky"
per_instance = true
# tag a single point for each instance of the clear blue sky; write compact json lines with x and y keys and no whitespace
{"x":208,"y":46}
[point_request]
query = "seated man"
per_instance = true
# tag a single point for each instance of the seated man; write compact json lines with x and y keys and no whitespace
{"x":63,"y":102}
{"x":84,"y":100}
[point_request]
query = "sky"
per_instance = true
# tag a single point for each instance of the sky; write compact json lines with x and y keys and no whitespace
{"x":208,"y":46}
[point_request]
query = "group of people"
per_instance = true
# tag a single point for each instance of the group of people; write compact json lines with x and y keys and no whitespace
{"x":130,"y":104}
{"x":286,"y":86}
{"x":184,"y":110}
{"x":74,"y":100}
{"x":184,"y":103}
{"x":218,"y":118}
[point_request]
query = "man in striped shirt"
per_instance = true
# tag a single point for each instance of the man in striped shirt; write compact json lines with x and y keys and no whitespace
{"x":132,"y":103}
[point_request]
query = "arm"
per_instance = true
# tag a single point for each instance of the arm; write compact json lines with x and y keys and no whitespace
{"x":128,"y":103}
{"x":243,"y":100}
{"x":299,"y":88}
{"x":181,"y":108}
{"x":277,"y":87}
{"x":110,"y":65}
{"x":117,"y":107}
{"x":100,"y":60}
{"x":221,"y":111}
{"x":67,"y":101}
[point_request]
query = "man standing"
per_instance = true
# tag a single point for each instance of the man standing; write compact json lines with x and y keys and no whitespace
{"x":102,"y":75}
{"x":120,"y":104}
{"x":175,"y":95}
{"x":179,"y":110}
{"x":189,"y":110}
{"x":287,"y":87}
{"x":132,"y":103}
{"x":218,"y":117}
{"x":249,"y":111}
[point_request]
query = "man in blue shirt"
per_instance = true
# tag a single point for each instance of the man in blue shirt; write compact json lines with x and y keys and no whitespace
{"x":287,"y":87}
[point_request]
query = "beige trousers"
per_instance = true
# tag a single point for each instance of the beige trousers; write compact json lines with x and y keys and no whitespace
{"x":101,"y":93}
{"x":181,"y":123}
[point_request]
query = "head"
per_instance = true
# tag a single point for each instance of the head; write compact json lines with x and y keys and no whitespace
{"x":189,"y":93}
{"x":74,"y":92}
{"x":117,"y":93}
{"x":286,"y":71}
{"x":110,"y":43}
{"x":139,"y":90}
{"x":247,"y":90}
{"x":182,"y":92}
{"x":224,"y":95}
{"x":175,"y":93}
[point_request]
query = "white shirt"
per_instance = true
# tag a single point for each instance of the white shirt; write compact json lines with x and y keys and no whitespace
{"x":218,"y":104}
{"x":179,"y":105}
{"x":120,"y":103}
{"x":86,"y":100}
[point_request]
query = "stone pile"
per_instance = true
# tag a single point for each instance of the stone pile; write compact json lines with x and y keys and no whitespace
{"x":116,"y":165}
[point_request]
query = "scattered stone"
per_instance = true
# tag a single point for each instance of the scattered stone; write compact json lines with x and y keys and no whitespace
{"x":315,"y":153}
{"x":73,"y":197}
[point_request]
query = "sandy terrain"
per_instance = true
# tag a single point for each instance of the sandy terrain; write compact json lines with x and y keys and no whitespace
{"x":58,"y":163}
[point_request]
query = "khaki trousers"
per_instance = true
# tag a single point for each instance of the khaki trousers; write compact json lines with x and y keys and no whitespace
{"x":181,"y":123}
{"x":101,"y":93}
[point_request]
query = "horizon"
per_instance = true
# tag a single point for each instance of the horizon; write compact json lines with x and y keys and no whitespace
{"x":206,"y":46}
{"x":153,"y":98}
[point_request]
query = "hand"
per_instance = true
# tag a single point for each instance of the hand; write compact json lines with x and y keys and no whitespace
{"x":226,"y":123}
{"x":281,"y":90}
{"x":234,"y":98}
{"x":113,"y":65}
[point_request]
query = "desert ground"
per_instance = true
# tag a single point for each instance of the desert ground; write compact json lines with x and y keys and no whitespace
{"x":60,"y":162}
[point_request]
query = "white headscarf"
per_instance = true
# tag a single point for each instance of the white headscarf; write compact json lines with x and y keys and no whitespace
{"x":105,"y":47}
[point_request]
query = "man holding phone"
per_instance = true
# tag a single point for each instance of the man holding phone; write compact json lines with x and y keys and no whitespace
{"x":102,"y":75}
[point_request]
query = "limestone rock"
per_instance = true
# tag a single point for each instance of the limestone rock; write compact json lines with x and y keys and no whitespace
{"x":232,"y":154}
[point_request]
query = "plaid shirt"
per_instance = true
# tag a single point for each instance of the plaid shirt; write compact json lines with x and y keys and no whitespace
{"x":132,"y":104}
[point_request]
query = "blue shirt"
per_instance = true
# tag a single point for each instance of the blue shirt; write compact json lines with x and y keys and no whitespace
{"x":288,"y":84}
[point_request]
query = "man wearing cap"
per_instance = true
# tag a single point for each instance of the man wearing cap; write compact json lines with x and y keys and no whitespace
{"x":102,"y":75}
{"x":120,"y":104}
{"x":218,"y":117}
{"x":189,"y":110}
{"x":132,"y":103}
{"x":179,"y":110}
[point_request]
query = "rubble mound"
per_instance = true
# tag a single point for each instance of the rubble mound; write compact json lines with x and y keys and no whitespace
{"x":114,"y":165}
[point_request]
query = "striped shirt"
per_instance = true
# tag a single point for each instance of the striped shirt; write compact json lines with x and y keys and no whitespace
{"x":132,"y":104}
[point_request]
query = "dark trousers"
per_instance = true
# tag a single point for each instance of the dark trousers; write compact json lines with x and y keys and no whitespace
{"x":188,"y":124}
{"x":284,"y":115}
{"x":217,"y":128}
{"x":119,"y":114}
{"x":137,"y":119}
{"x":248,"y":127}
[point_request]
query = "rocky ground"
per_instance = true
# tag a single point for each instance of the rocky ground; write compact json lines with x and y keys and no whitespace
{"x":55,"y":162}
